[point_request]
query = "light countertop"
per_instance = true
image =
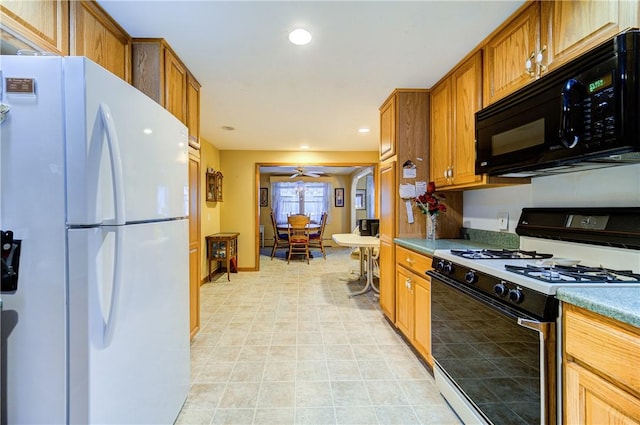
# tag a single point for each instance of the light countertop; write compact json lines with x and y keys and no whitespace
{"x":622,"y":304}
{"x":426,"y":247}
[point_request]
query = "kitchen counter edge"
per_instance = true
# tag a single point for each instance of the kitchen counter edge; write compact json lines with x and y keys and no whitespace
{"x":426,"y":247}
{"x":622,"y":304}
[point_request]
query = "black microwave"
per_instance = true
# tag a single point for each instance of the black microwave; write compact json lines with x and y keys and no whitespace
{"x":584,"y":114}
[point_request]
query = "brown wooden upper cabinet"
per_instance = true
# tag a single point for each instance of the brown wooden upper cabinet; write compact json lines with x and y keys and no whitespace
{"x":161,"y":75}
{"x":454,"y":102}
{"x":97,"y":36}
{"x":545,"y":34}
{"x":388,"y":129}
{"x":193,"y":111}
{"x":43,"y":24}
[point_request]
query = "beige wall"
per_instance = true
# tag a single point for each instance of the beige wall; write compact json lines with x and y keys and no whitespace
{"x":240,"y":205}
{"x":209,"y":211}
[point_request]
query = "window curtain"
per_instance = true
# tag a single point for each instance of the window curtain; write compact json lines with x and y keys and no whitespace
{"x":310,"y":198}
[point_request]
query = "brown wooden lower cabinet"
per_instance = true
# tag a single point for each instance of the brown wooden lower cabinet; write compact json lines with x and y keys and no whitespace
{"x":601,"y":371}
{"x":413,"y":300}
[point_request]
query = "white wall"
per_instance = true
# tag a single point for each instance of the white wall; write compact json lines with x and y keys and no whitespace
{"x":608,"y":187}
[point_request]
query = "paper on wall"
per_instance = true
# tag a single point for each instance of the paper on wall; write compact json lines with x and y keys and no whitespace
{"x":407,"y":190}
{"x":407,"y":203}
{"x":421,"y":188}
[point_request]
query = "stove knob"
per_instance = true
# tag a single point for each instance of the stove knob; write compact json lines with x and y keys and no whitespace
{"x":516,"y":296}
{"x":471,"y":277}
{"x":500,"y":289}
{"x":440,"y":265}
{"x":448,"y":268}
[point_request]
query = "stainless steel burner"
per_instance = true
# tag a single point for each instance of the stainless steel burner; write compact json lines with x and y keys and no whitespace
{"x":575,"y":274}
{"x":492,"y":254}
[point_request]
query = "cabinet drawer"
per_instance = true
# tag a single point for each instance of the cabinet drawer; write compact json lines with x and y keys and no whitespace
{"x":607,"y":346}
{"x":417,"y":263}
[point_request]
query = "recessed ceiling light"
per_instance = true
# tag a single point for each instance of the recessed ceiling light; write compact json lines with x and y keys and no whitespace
{"x":304,"y":147}
{"x":363,"y":130}
{"x":300,"y":36}
{"x":227,"y":128}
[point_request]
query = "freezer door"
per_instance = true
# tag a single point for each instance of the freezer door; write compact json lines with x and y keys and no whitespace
{"x":128,"y":323}
{"x":126,"y":155}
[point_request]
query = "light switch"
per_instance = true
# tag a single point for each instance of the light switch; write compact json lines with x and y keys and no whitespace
{"x":503,"y":221}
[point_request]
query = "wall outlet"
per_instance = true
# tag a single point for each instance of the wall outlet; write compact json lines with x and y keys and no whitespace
{"x":503,"y":221}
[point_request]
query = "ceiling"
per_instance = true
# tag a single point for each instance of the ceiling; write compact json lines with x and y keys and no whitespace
{"x":278,"y":96}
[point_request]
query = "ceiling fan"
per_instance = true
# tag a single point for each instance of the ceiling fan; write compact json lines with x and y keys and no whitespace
{"x":301,"y":172}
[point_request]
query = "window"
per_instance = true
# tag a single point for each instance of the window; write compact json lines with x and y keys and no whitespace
{"x":300,"y":197}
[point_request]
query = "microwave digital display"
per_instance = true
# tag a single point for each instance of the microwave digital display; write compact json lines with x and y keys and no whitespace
{"x":600,"y":83}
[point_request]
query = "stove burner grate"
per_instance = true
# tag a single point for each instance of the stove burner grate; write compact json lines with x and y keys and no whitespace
{"x":494,"y":254}
{"x":575,"y":274}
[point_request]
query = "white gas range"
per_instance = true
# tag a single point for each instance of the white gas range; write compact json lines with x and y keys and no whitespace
{"x":494,"y":312}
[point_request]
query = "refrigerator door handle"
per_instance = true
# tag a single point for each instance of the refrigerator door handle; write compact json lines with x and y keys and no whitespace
{"x":116,"y":163}
{"x":111,"y":320}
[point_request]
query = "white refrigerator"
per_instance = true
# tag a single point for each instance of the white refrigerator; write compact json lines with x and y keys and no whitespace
{"x":94,"y":182}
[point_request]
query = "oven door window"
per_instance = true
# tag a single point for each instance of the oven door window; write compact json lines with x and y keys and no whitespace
{"x":491,"y":358}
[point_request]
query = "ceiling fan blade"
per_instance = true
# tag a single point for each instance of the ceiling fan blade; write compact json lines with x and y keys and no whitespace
{"x":311,"y":174}
{"x":294,"y":175}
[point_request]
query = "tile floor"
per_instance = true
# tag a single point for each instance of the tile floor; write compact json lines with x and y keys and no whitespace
{"x":286,"y":345}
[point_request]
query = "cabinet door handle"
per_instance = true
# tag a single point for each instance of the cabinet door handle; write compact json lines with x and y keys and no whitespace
{"x":541,"y":68}
{"x":410,"y":261}
{"x":528,"y":65}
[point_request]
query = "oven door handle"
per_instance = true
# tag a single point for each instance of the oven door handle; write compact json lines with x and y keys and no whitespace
{"x":544,"y":328}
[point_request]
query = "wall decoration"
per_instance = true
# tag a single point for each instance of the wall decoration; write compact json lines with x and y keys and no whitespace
{"x":361,"y":199}
{"x":264,"y":197}
{"x":340,"y":197}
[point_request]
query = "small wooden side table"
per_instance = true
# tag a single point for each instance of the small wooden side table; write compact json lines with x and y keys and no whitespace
{"x":222,"y":247}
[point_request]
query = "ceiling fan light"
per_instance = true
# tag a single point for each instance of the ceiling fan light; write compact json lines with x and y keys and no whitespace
{"x":300,"y":37}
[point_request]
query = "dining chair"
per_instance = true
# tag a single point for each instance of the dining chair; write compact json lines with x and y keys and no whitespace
{"x":280,"y":240}
{"x":298,"y":236}
{"x":316,"y":239}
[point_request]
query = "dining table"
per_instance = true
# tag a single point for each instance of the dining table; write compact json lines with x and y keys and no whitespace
{"x":366,"y":244}
{"x":313,"y":227}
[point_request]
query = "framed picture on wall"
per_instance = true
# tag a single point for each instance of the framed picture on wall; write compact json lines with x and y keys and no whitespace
{"x":340,"y":197}
{"x":361,"y":196}
{"x":264,"y":197}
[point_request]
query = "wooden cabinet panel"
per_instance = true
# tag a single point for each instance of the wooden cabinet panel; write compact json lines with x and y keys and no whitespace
{"x":44,"y":23}
{"x":195,"y":251}
{"x":194,"y":290}
{"x":411,"y":260}
{"x":600,"y":384}
{"x":175,"y":87}
{"x":193,"y":111}
{"x":404,"y":302}
{"x":572,"y":27}
{"x":422,"y":318}
{"x":506,"y":52}
{"x":388,"y":130}
{"x":440,"y":147}
{"x":96,"y":35}
{"x":147,"y":68}
{"x":413,"y":299}
{"x":467,"y":100}
{"x":159,"y":73}
{"x":387,"y":231}
{"x":595,"y":401}
{"x":607,"y":347}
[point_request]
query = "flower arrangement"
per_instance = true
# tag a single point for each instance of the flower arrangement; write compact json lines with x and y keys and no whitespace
{"x":429,"y":202}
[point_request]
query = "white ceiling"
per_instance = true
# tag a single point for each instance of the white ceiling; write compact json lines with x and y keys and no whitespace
{"x":279,"y":96}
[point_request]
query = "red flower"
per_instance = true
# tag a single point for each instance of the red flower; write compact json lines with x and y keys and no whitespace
{"x":429,"y":202}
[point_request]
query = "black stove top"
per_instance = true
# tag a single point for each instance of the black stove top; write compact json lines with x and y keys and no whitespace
{"x":575,"y":274}
{"x":494,"y":254}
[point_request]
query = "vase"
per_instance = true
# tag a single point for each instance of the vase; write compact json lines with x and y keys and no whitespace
{"x":431,"y":226}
